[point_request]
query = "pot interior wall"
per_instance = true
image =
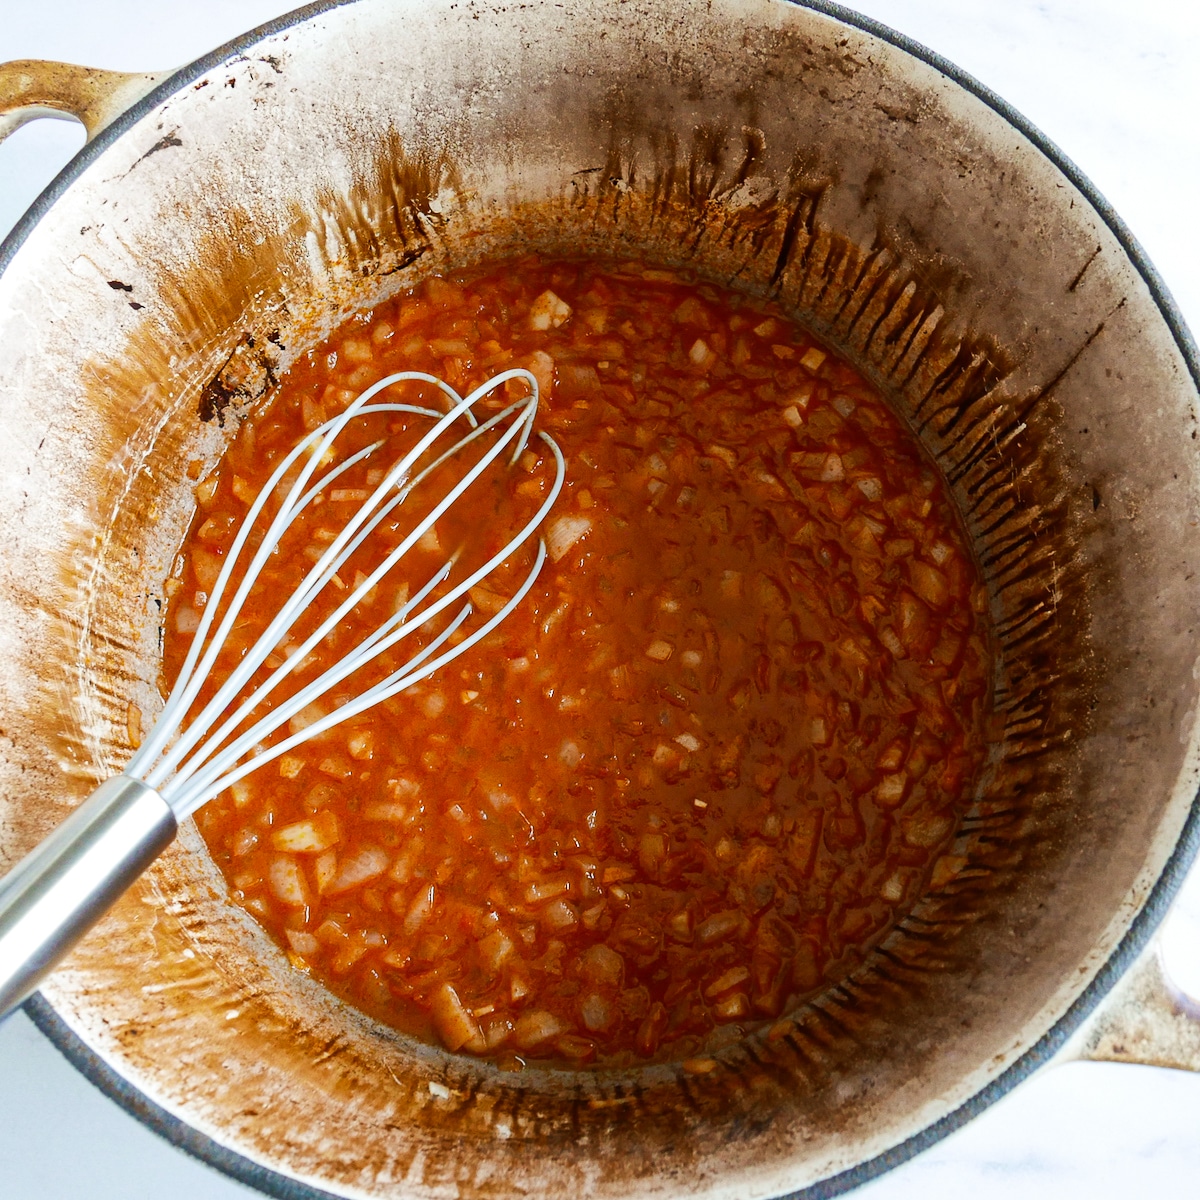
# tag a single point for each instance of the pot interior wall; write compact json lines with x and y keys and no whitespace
{"x":902,"y":219}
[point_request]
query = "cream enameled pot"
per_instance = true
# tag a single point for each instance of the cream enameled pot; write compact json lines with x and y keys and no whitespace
{"x":220,"y":225}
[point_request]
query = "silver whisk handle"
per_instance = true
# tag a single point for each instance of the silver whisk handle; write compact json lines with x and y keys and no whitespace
{"x":58,"y":891}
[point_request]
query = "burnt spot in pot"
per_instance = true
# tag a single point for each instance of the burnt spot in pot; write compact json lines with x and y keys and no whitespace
{"x":247,"y":376}
{"x":1083,"y":270}
{"x":166,"y":142}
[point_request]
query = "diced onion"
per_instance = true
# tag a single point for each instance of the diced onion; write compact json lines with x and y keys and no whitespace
{"x":559,"y":915}
{"x":495,"y":950}
{"x":563,"y":532}
{"x":602,"y":965}
{"x":889,"y":791}
{"x":287,"y":882}
{"x":546,"y":889}
{"x":726,"y":980}
{"x":358,"y":869}
{"x":536,"y":1027}
{"x":548,"y":311}
{"x":732,"y":1008}
{"x":455,"y":1025}
{"x":307,"y":837}
{"x":927,"y":831}
{"x":832,"y":469}
{"x":290,"y":765}
{"x":420,"y":909}
{"x":325,"y":868}
{"x":597,"y":1012}
{"x":761,"y":550}
{"x":718,"y":927}
{"x":929,"y":583}
{"x":303,"y":942}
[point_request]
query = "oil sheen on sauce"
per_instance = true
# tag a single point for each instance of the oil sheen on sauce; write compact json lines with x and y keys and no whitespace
{"x":722,"y":747}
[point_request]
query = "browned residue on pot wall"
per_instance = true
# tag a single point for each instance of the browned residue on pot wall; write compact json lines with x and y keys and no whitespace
{"x":701,"y":206}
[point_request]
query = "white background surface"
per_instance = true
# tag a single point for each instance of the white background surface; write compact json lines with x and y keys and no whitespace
{"x":1116,"y":83}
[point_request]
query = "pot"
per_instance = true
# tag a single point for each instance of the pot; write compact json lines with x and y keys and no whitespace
{"x":245,"y":205}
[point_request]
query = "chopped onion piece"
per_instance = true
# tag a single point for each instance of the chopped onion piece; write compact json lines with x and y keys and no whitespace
{"x":367,"y":864}
{"x":548,"y":311}
{"x":559,"y":915}
{"x":303,"y":942}
{"x":307,"y":837}
{"x":732,"y":1008}
{"x":602,"y":965}
{"x":929,"y":583}
{"x":495,"y":950}
{"x":563,"y":532}
{"x":325,"y":868}
{"x":701,"y":354}
{"x":726,"y":980}
{"x":889,"y":791}
{"x":718,"y":927}
{"x":536,"y":1027}
{"x":396,"y":814}
{"x":487,"y":601}
{"x":832,"y":470}
{"x":659,"y":650}
{"x":596,"y":1012}
{"x":455,"y":1025}
{"x":546,"y":889}
{"x":420,"y":909}
{"x":287,"y":882}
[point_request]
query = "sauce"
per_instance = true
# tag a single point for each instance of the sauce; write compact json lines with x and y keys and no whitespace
{"x":713,"y":756}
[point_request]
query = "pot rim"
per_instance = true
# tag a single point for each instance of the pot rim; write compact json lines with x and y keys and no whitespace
{"x":180,"y":1134}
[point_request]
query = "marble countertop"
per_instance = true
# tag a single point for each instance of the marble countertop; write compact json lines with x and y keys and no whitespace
{"x":1115,"y":85}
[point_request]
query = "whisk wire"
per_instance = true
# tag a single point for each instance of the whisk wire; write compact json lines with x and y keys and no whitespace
{"x":214,"y":765}
{"x":319,"y":576}
{"x":203,"y":652}
{"x":290,"y":509}
{"x":208,"y":782}
{"x":395,"y":683}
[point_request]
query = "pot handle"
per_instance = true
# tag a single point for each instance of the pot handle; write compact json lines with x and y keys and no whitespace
{"x":1144,"y":1019}
{"x":31,"y":88}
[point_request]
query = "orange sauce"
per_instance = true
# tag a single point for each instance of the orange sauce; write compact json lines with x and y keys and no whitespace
{"x":711,"y":759}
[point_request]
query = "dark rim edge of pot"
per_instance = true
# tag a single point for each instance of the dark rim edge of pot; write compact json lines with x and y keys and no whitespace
{"x":270,"y":1182}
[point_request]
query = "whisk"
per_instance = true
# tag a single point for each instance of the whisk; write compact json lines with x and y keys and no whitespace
{"x":58,"y":891}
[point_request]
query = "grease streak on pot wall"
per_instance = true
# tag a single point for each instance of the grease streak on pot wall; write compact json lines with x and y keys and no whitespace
{"x":862,"y":188}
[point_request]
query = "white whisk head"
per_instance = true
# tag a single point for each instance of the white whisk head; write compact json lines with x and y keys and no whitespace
{"x":224,"y":741}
